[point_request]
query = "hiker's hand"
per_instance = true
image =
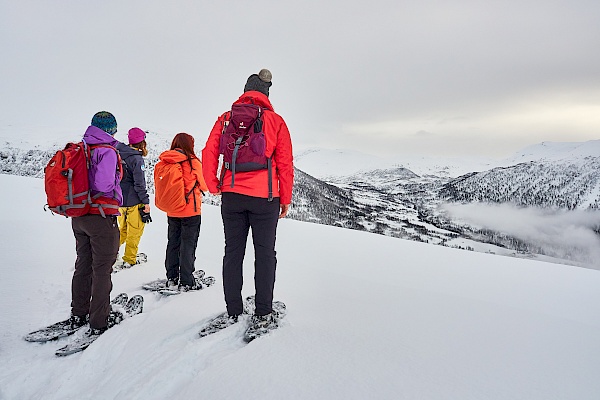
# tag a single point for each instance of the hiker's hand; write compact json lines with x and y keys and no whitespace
{"x":145,"y":213}
{"x":146,"y":218}
{"x":284,"y":210}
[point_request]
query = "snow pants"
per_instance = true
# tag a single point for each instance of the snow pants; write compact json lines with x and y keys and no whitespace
{"x":183,"y":236}
{"x":97,"y":245}
{"x":240,"y":213}
{"x":131,"y":229}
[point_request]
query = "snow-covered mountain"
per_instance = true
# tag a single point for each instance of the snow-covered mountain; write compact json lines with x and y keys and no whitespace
{"x":368,"y":317}
{"x":554,"y":177}
{"x":547,"y":175}
{"x":555,"y":151}
{"x":564,"y":184}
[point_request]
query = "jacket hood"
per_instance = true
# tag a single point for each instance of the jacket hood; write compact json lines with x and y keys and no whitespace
{"x":94,"y":135}
{"x":172,"y":156}
{"x":254,"y":97}
{"x":126,"y":151}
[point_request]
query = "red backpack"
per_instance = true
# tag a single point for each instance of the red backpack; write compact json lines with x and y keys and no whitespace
{"x":243,"y":142}
{"x":67,"y":185}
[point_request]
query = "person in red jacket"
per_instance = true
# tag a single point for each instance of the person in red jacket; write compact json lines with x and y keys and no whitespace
{"x":252,"y":201}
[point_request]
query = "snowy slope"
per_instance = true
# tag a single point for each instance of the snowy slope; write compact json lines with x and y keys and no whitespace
{"x":368,"y":317}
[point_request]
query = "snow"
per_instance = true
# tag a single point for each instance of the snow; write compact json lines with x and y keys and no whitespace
{"x":556,"y":151}
{"x":335,"y":162}
{"x":327,"y":163}
{"x":33,"y":136}
{"x":369,"y":316}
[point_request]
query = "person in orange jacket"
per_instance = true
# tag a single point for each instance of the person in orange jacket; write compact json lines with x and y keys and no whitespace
{"x":184,"y":225}
{"x":252,"y":200}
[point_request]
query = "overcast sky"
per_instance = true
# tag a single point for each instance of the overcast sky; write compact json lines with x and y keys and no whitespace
{"x":384,"y":77}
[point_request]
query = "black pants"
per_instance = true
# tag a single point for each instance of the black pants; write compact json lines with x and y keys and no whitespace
{"x":97,"y":246}
{"x":240,"y":213}
{"x":183,"y":236}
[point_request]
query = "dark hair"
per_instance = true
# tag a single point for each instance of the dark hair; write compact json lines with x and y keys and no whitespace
{"x":141,"y":146}
{"x":185,"y":143}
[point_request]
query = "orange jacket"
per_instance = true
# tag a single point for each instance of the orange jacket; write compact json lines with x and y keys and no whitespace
{"x":190,"y":177}
{"x":255,"y":183}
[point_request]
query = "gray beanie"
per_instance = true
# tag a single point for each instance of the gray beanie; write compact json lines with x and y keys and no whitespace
{"x":260,"y":82}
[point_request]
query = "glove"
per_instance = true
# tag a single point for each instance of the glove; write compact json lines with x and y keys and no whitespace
{"x":146,"y":218}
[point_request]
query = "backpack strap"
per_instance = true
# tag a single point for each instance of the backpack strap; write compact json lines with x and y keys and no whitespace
{"x":257,"y":126}
{"x":220,"y":185}
{"x":238,"y":143}
{"x":119,"y":169}
{"x":71,"y":196}
{"x":190,"y":193}
{"x":224,"y":124}
{"x":196,"y":184}
{"x":101,"y":208}
{"x":270,"y":172}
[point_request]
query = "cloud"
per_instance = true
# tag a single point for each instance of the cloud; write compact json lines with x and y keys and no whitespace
{"x":423,"y":133}
{"x":564,"y":234}
{"x":389,"y":70}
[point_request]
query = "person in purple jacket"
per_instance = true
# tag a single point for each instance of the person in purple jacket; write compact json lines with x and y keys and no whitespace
{"x":97,"y":233}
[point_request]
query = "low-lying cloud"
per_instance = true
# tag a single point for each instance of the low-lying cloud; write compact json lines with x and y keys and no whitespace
{"x":564,"y":234}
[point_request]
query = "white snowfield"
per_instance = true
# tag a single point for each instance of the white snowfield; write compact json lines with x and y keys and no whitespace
{"x":369,"y":317}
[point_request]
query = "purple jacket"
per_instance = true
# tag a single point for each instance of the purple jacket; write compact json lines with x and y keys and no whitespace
{"x":103,"y":174}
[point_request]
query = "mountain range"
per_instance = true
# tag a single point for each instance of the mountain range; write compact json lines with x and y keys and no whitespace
{"x":420,"y":198}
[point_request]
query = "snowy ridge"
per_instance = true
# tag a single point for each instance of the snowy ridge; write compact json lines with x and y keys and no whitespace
{"x":565,"y":184}
{"x":330,"y":164}
{"x":552,"y":151}
{"x":368,"y":317}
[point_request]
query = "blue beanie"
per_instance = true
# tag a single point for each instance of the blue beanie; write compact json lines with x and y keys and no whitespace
{"x":105,"y":121}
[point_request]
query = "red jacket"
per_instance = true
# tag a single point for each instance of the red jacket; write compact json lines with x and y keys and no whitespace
{"x":190,"y":177}
{"x":254,"y":183}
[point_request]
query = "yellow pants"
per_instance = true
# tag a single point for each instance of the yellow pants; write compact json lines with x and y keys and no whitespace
{"x":131,"y":228}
